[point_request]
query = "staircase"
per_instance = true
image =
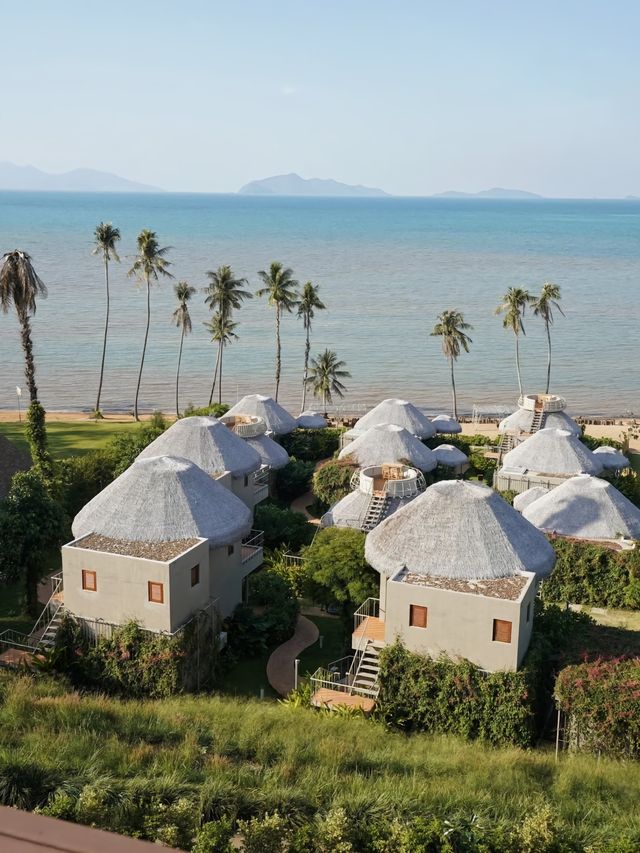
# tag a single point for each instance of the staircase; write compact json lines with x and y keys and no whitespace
{"x":539,"y":418}
{"x":506,"y":444}
{"x":375,"y":511}
{"x":47,"y":639}
{"x":365,"y":671}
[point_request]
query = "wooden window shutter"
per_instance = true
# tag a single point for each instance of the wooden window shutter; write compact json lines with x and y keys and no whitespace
{"x":89,"y":581}
{"x":417,"y":616}
{"x":501,"y":631}
{"x":156,"y":592}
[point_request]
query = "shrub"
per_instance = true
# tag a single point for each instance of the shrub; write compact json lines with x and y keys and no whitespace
{"x":293,"y":573}
{"x":629,"y":485}
{"x":331,"y":482}
{"x":312,"y":445}
{"x":269,"y":589}
{"x":592,"y":443}
{"x":282,"y":526}
{"x":80,"y":478}
{"x":124,"y":448}
{"x":293,"y":480}
{"x":216,"y":410}
{"x":264,"y":835}
{"x":214,"y":837}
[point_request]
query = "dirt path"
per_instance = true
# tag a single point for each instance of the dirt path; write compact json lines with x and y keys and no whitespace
{"x":280,"y":667}
{"x":300,"y":505}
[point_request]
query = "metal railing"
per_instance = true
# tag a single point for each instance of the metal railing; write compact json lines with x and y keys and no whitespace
{"x":403,"y":487}
{"x":252,"y":544}
{"x":10,"y":639}
{"x":334,"y":676}
{"x":249,"y":427}
{"x":369,"y":608}
{"x":51,"y":608}
{"x":547,"y":402}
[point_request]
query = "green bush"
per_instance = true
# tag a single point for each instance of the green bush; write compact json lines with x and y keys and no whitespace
{"x":293,"y":480}
{"x":331,"y":482}
{"x":270,"y":590}
{"x":282,"y":526}
{"x":81,"y":478}
{"x":216,"y":410}
{"x":125,"y":447}
{"x":629,"y":485}
{"x":312,"y":445}
{"x":214,"y":837}
{"x":592,"y":443}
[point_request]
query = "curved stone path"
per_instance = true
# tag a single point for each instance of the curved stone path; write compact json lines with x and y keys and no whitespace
{"x":280,"y":666}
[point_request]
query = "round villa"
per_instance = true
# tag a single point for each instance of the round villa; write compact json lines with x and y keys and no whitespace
{"x":402,"y":413}
{"x":446,"y":424}
{"x":612,"y":459}
{"x":311,"y":420}
{"x":451,"y":457}
{"x":217,"y":450}
{"x":539,"y":411}
{"x":277,"y":419}
{"x":389,"y":444}
{"x":161,"y":542}
{"x":458,"y":569}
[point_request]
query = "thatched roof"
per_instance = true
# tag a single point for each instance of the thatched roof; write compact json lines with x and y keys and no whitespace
{"x":270,"y":452}
{"x":554,"y":452}
{"x":461,"y":530}
{"x":522,"y":419}
{"x":399,"y":412}
{"x":522,"y":501}
{"x":612,"y":459}
{"x":312,"y":420}
{"x":207,"y":443}
{"x":12,"y":460}
{"x":389,"y":443}
{"x":587,"y":508}
{"x":351,"y":510}
{"x":277,"y":419}
{"x":446,"y":424}
{"x":451,"y":456}
{"x":162,"y":499}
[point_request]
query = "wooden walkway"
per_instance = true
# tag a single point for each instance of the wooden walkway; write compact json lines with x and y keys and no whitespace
{"x":280,"y":666}
{"x":332,"y":699}
{"x":372,"y":628}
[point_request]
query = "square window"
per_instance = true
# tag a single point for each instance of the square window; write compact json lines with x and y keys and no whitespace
{"x":156,"y":592}
{"x":195,"y":575}
{"x":417,"y":616}
{"x":230,"y":550}
{"x":89,"y":581}
{"x":501,"y":631}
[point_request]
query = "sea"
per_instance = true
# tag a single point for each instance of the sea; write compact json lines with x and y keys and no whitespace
{"x":386,"y":268}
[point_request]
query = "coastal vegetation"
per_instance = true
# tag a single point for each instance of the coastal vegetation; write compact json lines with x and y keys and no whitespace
{"x":182,"y":320}
{"x":452,"y":329}
{"x":105,"y":236}
{"x":513,"y":306}
{"x":309,"y":303}
{"x":325,"y":377}
{"x":280,"y":288}
{"x":543,"y":306}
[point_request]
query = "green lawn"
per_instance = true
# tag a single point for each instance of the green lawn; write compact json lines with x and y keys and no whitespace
{"x":74,"y":438}
{"x":330,"y":628}
{"x":246,"y":677}
{"x":11,"y":609}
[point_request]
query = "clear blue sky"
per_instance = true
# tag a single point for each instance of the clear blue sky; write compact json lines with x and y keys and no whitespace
{"x":415,"y":97}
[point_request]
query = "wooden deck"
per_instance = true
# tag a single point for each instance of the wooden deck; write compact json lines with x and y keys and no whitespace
{"x":325,"y":698}
{"x":15,"y":657}
{"x":372,"y":628}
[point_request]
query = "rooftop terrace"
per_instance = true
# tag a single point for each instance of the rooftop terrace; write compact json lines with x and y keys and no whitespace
{"x":163,"y":552}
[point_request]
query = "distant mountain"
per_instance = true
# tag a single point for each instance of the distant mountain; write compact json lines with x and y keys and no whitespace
{"x":496,"y":192}
{"x":14,"y":177}
{"x":295,"y":185}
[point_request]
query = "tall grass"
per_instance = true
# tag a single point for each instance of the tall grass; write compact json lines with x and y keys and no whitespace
{"x":241,"y":758}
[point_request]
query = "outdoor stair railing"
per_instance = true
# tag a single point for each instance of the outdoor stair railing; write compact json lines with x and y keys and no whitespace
{"x":50,"y":610}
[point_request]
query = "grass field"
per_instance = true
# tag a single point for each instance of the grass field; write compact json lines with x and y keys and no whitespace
{"x":70,"y":439}
{"x":242,"y":757}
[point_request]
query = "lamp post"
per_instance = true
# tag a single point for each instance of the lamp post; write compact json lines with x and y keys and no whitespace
{"x":296,"y":664}
{"x":19,"y":393}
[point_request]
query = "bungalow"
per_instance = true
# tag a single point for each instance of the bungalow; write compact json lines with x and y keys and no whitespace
{"x":389,"y":444}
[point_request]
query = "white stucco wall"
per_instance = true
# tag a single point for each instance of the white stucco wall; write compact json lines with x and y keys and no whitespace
{"x":227,"y":572}
{"x":244,"y":489}
{"x":459,"y":624}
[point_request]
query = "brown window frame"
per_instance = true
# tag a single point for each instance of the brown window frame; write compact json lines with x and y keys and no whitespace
{"x":86,"y":574}
{"x":150,"y":586}
{"x":498,"y":626}
{"x":195,"y":572}
{"x":414,"y":610}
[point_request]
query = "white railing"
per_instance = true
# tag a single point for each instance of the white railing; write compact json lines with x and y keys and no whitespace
{"x":51,"y":608}
{"x":403,"y":487}
{"x":369,"y":608}
{"x":549,"y":402}
{"x":252,"y":545}
{"x":248,"y":427}
{"x":334,"y":676}
{"x":10,"y":639}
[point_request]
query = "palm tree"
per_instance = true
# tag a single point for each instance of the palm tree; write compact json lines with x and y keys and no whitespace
{"x":543,"y":307}
{"x":149,"y":263}
{"x":325,"y":375}
{"x":20,"y":286}
{"x":224,"y":294}
{"x":309,"y":303}
{"x":513,"y":306}
{"x":105,"y":239}
{"x":182,"y":319}
{"x":222,"y":329}
{"x":281,"y":289}
{"x":451,"y":327}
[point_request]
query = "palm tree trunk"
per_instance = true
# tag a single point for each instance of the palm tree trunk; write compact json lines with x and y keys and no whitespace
{"x":306,"y":371}
{"x":27,"y":346}
{"x":178,"y":374}
{"x":106,"y":328}
{"x":277,"y":351}
{"x":453,"y":391}
{"x":215,"y":374}
{"x":518,"y":364}
{"x":220,"y":377}
{"x":144,"y":348}
{"x":548,"y":356}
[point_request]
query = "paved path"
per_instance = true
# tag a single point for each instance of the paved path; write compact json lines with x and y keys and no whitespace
{"x":281,"y":663}
{"x":301,"y":503}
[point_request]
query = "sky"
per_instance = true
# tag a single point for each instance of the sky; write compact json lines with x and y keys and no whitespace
{"x":414,"y":97}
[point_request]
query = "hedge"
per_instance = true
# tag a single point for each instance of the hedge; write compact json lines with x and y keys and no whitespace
{"x":332,"y":482}
{"x":311,"y":445}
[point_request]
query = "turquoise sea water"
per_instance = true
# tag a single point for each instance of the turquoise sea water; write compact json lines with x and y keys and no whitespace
{"x":386,"y":268}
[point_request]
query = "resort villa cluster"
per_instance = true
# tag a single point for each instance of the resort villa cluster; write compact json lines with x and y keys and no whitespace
{"x":459,"y":567}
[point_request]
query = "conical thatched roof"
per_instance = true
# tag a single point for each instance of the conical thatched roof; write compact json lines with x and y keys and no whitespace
{"x":162,"y":499}
{"x":522,"y":420}
{"x":270,"y":452}
{"x":555,"y":452}
{"x":12,"y":460}
{"x":399,"y":412}
{"x":524,"y":499}
{"x":389,"y":443}
{"x":207,"y":443}
{"x":277,"y":419}
{"x":446,"y":424}
{"x":612,"y":459}
{"x":462,"y":530}
{"x":312,"y":420}
{"x":448,"y":455}
{"x":587,"y":508}
{"x":351,"y":510}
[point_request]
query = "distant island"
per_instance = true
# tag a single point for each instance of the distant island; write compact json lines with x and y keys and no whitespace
{"x":295,"y":185}
{"x":13,"y":177}
{"x":495,"y":192}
